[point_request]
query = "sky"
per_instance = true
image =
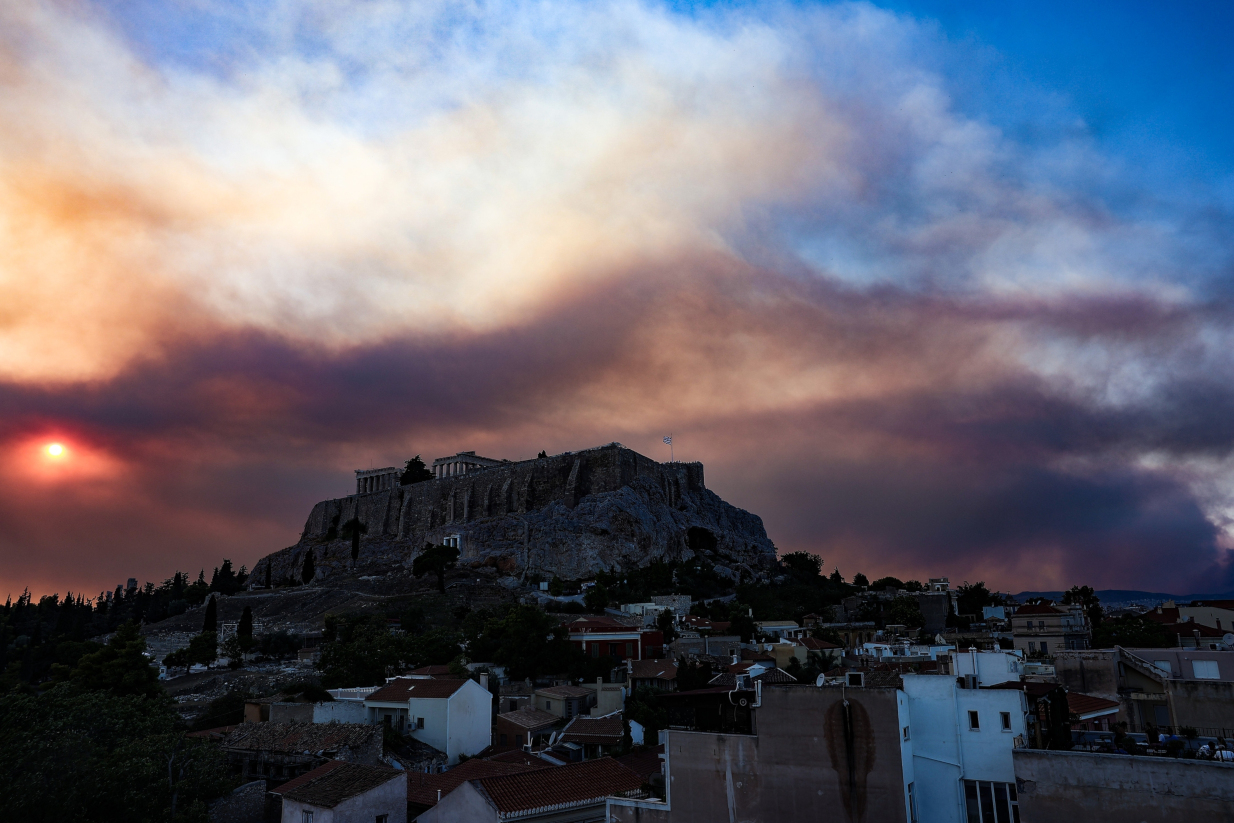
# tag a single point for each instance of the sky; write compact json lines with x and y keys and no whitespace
{"x":936,"y":289}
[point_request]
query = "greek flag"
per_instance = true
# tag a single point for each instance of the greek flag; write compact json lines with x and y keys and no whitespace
{"x":668,"y":441}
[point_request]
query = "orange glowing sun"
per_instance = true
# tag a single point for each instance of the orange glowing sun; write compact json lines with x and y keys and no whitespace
{"x":55,"y":450}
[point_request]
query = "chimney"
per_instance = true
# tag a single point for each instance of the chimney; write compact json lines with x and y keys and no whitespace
{"x":484,"y":680}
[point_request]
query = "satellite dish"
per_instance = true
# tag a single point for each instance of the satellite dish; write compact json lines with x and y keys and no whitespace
{"x":1228,"y":639}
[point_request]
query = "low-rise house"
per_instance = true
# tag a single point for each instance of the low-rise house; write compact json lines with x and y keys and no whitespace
{"x":1091,"y":713}
{"x":277,"y":752}
{"x":656,"y":674}
{"x":527,"y":726}
{"x":564,"y":794}
{"x":1163,"y":688}
{"x":989,"y":667}
{"x":453,"y":716}
{"x":564,"y":701}
{"x":778,"y":628}
{"x":424,"y":791}
{"x":599,"y":736}
{"x":609,"y":697}
{"x":339,"y":792}
{"x":1041,"y":629}
{"x":717,"y":645}
{"x":1216,"y":614}
{"x":607,"y":636}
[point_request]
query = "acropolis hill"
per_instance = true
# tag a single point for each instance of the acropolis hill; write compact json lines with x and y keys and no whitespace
{"x":569,"y":515}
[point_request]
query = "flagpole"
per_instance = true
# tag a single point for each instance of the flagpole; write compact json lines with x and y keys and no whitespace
{"x":671,"y":459}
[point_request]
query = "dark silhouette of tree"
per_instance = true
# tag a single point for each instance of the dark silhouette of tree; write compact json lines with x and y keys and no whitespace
{"x":244,"y":631}
{"x":542,"y":454}
{"x":121,"y":667}
{"x":353,"y":528}
{"x":225,"y":580}
{"x":308,"y":572}
{"x":435,"y":559}
{"x":415,"y":472}
{"x":803,"y":565}
{"x":269,"y":565}
{"x":596,"y":599}
{"x":211,"y":623}
{"x":1086,"y":597}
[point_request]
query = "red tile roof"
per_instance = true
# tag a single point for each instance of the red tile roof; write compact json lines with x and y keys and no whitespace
{"x":401,"y":689}
{"x":1037,"y":608}
{"x":814,"y":644}
{"x":1086,"y":705}
{"x":510,"y":755}
{"x":422,"y":788}
{"x":308,"y":777}
{"x":653,"y":670}
{"x":529,"y":718}
{"x":603,"y":730}
{"x":603,"y":623}
{"x":1160,"y":615}
{"x":345,"y":781}
{"x":564,"y":787}
{"x":301,"y":737}
{"x":1189,"y":629}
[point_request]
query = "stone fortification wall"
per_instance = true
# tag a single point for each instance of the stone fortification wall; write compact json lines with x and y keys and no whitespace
{"x":570,"y":514}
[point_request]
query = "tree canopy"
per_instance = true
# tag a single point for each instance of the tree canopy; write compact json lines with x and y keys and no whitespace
{"x":436,"y":560}
{"x":414,"y":471}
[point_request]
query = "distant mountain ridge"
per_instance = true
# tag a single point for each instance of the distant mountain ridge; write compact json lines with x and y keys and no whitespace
{"x":1114,"y":597}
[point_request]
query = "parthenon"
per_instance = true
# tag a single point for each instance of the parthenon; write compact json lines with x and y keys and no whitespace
{"x":376,"y":480}
{"x":463,"y":463}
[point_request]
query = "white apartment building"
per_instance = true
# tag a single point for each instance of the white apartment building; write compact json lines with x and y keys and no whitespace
{"x":452,"y":716}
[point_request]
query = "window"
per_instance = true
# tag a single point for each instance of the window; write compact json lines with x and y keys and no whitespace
{"x":629,"y":650}
{"x":548,"y":705}
{"x":1164,"y":665}
{"x":986,"y":802}
{"x":614,"y":650}
{"x":905,"y":732}
{"x":306,"y":816}
{"x":595,"y":649}
{"x":1205,"y":670}
{"x":1006,"y":718}
{"x":1043,"y":647}
{"x":856,"y":678}
{"x":1041,"y":624}
{"x":1032,"y":647}
{"x":383,"y":818}
{"x":912,"y":804}
{"x":419,"y":722}
{"x":503,"y":740}
{"x":974,"y":722}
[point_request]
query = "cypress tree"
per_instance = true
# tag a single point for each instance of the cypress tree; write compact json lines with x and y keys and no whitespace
{"x":308,"y":572}
{"x":244,"y":632}
{"x":212,"y":616}
{"x":268,"y":565}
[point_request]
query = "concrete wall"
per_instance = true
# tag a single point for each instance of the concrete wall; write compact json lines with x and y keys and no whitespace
{"x":810,"y":754}
{"x":389,"y":798}
{"x":340,"y":711}
{"x":287,"y":712}
{"x":1110,"y":788}
{"x":470,"y":721}
{"x":463,"y":805}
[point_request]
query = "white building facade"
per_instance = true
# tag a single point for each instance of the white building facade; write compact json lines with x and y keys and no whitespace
{"x":959,"y":743}
{"x":452,"y":716}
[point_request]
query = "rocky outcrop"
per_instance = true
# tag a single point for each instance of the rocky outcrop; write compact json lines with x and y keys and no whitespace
{"x":569,"y":515}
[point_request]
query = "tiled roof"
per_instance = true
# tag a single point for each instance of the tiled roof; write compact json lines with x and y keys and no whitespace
{"x":401,"y":689}
{"x":529,"y":718}
{"x":646,"y":762}
{"x":1086,"y":705}
{"x":308,"y":777}
{"x":775,"y":676}
{"x":510,"y":755}
{"x":578,"y":784}
{"x":653,"y":670}
{"x":422,"y":788}
{"x":343,"y":782}
{"x":213,"y":734}
{"x":301,"y":737}
{"x":1160,"y":615}
{"x":1037,"y":608}
{"x":564,"y":692}
{"x":1189,"y":629}
{"x":593,"y":730}
{"x":1214,"y":604}
{"x":603,"y":623}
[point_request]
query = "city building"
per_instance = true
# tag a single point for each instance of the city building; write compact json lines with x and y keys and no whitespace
{"x":565,"y":701}
{"x":526,"y":726}
{"x":277,"y":752}
{"x":453,"y":716}
{"x":1040,"y":629}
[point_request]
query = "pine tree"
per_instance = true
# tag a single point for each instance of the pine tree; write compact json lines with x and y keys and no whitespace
{"x":308,"y":572}
{"x":211,"y":623}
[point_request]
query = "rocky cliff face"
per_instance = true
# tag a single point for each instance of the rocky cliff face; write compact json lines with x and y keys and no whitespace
{"x":569,"y":515}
